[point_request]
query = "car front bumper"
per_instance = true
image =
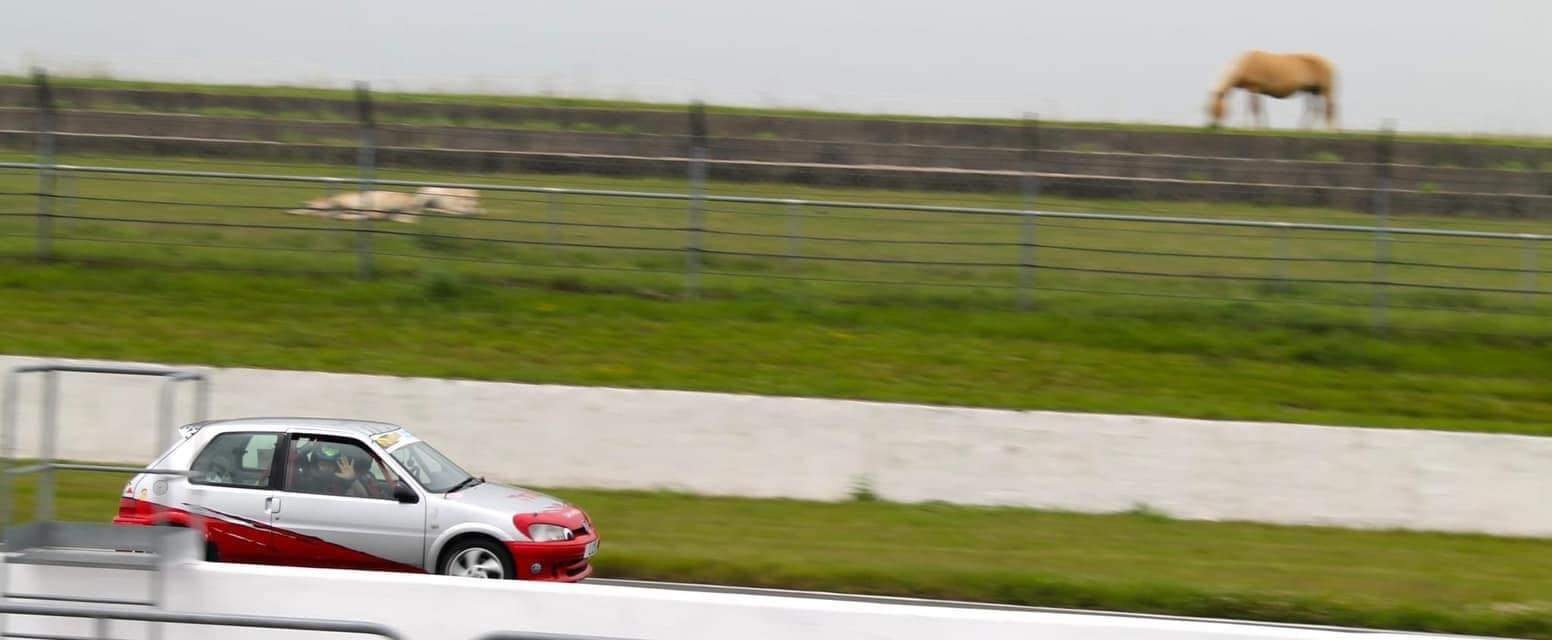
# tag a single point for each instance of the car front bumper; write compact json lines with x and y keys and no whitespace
{"x":553,"y":561}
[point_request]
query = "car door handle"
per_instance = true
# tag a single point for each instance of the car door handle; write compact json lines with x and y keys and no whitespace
{"x":272,"y":505}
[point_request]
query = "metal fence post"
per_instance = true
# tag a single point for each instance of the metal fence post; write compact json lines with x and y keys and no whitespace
{"x":1282,"y":257}
{"x":43,"y":508}
{"x":8,"y":436}
{"x":67,"y":193}
{"x":552,"y":213}
{"x":46,"y":172}
{"x":1029,"y":186}
{"x":1528,"y":263}
{"x":1382,"y":159}
{"x":794,"y":223}
{"x":366,"y":159}
{"x":697,"y":199}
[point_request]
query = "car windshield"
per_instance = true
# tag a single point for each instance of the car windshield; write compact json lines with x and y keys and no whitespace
{"x":431,"y":469}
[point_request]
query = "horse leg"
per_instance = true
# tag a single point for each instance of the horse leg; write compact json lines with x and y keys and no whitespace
{"x":1330,"y":111}
{"x":1257,"y":111}
{"x":1307,"y":118}
{"x":1253,"y":108}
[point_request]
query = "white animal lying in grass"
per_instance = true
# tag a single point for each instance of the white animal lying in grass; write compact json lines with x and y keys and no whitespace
{"x":372,"y":205}
{"x":451,"y":200}
{"x":393,"y":205}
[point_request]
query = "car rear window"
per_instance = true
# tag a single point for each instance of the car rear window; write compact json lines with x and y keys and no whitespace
{"x":235,"y":460}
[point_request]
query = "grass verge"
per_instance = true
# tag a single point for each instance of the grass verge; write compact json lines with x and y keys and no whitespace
{"x":1132,"y":562}
{"x":1203,"y":360}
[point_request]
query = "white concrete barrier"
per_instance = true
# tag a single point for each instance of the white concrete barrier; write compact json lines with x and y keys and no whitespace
{"x":711,"y":443}
{"x":443,"y":608}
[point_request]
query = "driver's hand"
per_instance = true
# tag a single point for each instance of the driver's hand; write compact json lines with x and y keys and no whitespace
{"x":347,"y":469}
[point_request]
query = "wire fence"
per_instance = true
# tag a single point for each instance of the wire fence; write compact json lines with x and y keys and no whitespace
{"x":713,"y":245}
{"x":768,"y":155}
{"x":695,"y":232}
{"x":1333,"y":185}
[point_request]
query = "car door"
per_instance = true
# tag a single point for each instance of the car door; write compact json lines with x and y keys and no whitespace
{"x":339,"y":514}
{"x":230,"y":485}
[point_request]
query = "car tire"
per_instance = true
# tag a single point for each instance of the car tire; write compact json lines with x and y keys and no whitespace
{"x":478,"y":558}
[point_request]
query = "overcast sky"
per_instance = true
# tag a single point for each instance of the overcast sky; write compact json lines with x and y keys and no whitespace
{"x":1478,"y":66}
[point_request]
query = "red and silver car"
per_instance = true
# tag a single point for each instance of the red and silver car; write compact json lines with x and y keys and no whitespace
{"x":353,"y":494}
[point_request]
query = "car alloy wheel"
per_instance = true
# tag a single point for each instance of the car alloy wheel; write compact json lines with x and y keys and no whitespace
{"x":476,"y":562}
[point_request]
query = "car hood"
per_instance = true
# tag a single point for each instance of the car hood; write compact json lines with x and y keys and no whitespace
{"x":511,"y":501}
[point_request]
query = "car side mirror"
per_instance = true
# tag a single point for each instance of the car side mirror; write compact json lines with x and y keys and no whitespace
{"x":405,"y":494}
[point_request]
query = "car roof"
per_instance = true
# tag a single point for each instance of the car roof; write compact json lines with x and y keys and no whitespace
{"x":325,"y":426}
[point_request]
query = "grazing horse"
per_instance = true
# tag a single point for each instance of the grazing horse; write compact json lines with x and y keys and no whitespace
{"x":1278,"y":75}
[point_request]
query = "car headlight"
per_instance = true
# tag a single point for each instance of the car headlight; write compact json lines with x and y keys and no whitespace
{"x":548,"y":533}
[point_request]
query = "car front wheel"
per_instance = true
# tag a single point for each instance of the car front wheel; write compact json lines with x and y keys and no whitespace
{"x":477,"y":558}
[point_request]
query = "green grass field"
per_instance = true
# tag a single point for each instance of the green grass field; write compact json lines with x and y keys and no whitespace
{"x":561,"y":101}
{"x":1134,"y":562}
{"x":1209,"y":364}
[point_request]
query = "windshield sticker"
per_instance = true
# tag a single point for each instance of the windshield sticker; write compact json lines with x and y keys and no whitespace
{"x":394,"y":440}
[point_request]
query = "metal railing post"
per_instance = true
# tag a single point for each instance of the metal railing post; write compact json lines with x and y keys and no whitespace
{"x":46,"y":167}
{"x":201,"y":401}
{"x":366,"y":159}
{"x":1282,"y":257}
{"x":1382,"y":161}
{"x":1029,"y":186}
{"x":794,"y":228}
{"x":8,"y":445}
{"x":67,"y":192}
{"x":43,"y":507}
{"x":1528,"y":264}
{"x":697,"y":202}
{"x":552,"y":213}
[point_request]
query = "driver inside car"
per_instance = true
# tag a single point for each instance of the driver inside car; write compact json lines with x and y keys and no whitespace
{"x":330,"y":472}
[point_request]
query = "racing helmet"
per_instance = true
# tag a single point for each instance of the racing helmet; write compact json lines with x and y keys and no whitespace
{"x":323,"y":452}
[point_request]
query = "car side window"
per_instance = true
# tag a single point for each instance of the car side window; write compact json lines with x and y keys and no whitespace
{"x":337,"y":467}
{"x":235,"y":460}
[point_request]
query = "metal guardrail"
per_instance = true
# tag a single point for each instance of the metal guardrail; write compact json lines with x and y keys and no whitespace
{"x":101,"y":616}
{"x":82,"y":544}
{"x":49,"y":421}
